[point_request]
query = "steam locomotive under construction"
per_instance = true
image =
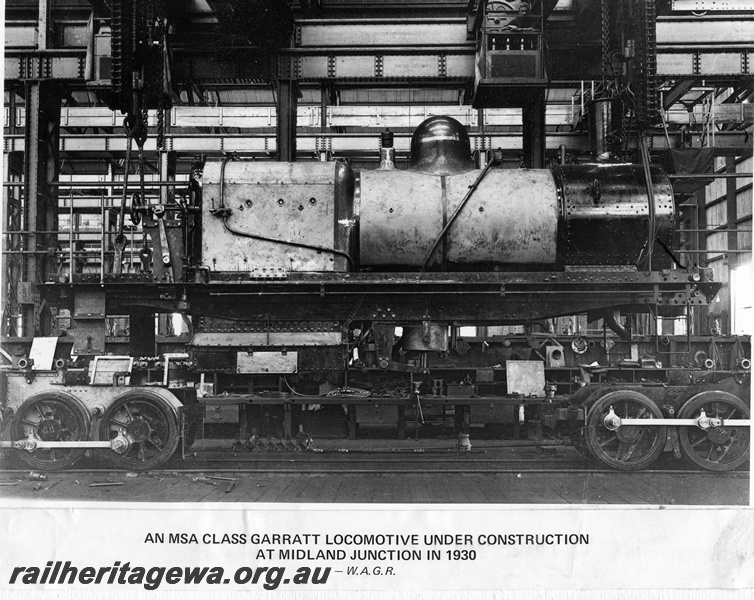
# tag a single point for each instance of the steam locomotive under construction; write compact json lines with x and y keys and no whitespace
{"x":320,"y":296}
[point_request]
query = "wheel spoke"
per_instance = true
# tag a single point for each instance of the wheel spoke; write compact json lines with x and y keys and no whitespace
{"x":32,"y":423}
{"x":154,"y":444}
{"x":726,"y":449}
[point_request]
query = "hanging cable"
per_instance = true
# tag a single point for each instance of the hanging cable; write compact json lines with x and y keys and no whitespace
{"x":652,"y":225}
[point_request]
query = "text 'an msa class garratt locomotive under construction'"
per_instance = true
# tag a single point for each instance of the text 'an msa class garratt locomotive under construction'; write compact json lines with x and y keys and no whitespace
{"x":324,"y":296}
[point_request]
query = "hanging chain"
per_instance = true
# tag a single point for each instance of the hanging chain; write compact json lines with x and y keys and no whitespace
{"x":158,"y":32}
{"x":605,"y":40}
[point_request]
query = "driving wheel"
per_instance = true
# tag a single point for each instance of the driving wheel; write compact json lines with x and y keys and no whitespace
{"x":629,"y":447}
{"x":148,"y":423}
{"x":717,"y":448}
{"x":51,"y":417}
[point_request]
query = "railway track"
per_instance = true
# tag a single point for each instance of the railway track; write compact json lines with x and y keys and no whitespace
{"x":377,"y":463}
{"x":479,"y":477}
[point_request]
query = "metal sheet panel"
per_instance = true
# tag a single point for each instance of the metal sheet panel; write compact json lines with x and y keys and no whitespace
{"x":721,"y":63}
{"x":289,"y":339}
{"x":712,"y":5}
{"x":293,"y":202}
{"x":459,"y":65}
{"x":43,"y":352}
{"x":103,"y":369}
{"x":220,"y":413}
{"x":345,"y":33}
{"x":410,"y":65}
{"x":314,"y":66}
{"x":511,"y":218}
{"x":267,"y":362}
{"x":526,"y":377}
{"x":675,"y":63}
{"x":733,"y":30}
{"x":20,"y":36}
{"x":353,"y":66}
{"x":400,"y":211}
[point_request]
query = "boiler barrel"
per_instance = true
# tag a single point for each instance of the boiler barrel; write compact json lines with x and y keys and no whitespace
{"x":512,"y":218}
{"x":593,"y":214}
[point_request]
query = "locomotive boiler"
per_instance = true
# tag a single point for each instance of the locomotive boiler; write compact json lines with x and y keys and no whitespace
{"x":316,"y":285}
{"x":440,"y":214}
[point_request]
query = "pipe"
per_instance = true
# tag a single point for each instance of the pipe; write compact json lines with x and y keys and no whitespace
{"x":614,"y":324}
{"x":472,"y":188}
{"x":263,"y":238}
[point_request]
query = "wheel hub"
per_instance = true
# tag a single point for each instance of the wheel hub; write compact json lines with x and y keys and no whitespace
{"x":49,"y":429}
{"x":138,"y":429}
{"x":719,"y":435}
{"x":628,"y":434}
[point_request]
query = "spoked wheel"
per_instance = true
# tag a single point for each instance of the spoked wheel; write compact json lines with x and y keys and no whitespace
{"x":717,"y":448}
{"x":149,"y":424}
{"x":630,"y":447}
{"x":51,"y":417}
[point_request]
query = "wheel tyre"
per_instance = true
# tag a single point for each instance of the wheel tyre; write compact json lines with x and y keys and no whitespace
{"x":598,"y":436}
{"x":160,"y":415}
{"x":76,"y":428}
{"x":691,"y":437}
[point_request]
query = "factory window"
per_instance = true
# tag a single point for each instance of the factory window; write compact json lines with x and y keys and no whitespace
{"x":741,"y":300}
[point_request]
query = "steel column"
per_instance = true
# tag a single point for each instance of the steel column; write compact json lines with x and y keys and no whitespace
{"x":731,"y":190}
{"x":11,"y":263}
{"x":44,"y":24}
{"x":287,"y":103}
{"x":534,"y":132}
{"x":41,"y":168}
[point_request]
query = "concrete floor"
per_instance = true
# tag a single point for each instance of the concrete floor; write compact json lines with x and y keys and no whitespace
{"x":506,"y":488}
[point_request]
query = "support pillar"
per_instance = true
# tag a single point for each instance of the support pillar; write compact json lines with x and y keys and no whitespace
{"x":534,"y":132}
{"x":285,"y":134}
{"x":41,"y":169}
{"x":732,"y":216}
{"x":12,"y":264}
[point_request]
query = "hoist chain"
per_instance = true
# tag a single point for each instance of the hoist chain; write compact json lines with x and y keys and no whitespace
{"x":148,"y":24}
{"x":158,"y":33}
{"x":605,"y":40}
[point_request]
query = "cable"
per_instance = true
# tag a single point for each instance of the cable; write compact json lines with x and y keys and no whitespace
{"x":672,"y":256}
{"x":263,"y":238}
{"x":349,"y":392}
{"x":652,"y":232}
